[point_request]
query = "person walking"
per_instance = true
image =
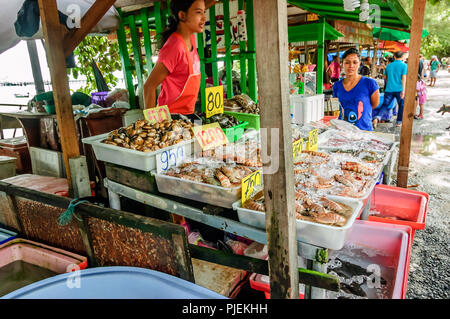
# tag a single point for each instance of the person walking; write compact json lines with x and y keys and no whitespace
{"x":395,"y":76}
{"x":334,"y":69}
{"x":434,"y":67}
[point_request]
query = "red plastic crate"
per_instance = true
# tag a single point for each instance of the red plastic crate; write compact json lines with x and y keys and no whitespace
{"x":257,"y":284}
{"x":391,"y":201}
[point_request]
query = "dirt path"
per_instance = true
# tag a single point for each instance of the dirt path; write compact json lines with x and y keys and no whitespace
{"x":429,"y":275}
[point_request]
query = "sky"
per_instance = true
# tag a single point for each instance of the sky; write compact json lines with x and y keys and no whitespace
{"x":15,"y":64}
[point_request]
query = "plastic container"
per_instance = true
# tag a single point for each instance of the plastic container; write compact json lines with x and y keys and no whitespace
{"x":260,"y":282}
{"x":47,"y":162}
{"x":6,"y":235}
{"x":53,"y":259}
{"x":99,"y":98}
{"x":393,"y":243}
{"x":210,"y":194}
{"x":116,"y":283}
{"x":234,"y":133}
{"x":391,"y":201}
{"x":305,"y":109}
{"x":131,"y":158}
{"x":325,"y":236}
{"x":7,"y":167}
{"x":252,"y":119}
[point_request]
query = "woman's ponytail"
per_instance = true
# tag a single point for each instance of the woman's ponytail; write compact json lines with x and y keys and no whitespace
{"x":175,"y":7}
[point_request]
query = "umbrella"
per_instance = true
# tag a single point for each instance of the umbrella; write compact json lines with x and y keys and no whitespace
{"x":393,"y":35}
{"x":99,"y":79}
{"x":393,"y":46}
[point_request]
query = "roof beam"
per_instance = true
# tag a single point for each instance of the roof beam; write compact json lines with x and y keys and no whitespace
{"x":89,"y":21}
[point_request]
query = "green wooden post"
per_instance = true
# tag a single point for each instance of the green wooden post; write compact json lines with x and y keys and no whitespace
{"x":212,"y":22}
{"x":228,"y":59}
{"x":125,"y":59}
{"x":136,"y":51}
{"x":243,"y":60}
{"x":252,"y":82}
{"x":320,"y":55}
{"x":147,"y":40}
{"x":201,"y":53}
{"x":158,"y":21}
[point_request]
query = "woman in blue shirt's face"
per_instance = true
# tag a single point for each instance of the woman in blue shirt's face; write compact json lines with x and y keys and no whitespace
{"x":351,"y":65}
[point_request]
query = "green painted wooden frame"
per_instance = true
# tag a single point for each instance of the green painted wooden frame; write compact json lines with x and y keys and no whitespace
{"x":155,"y":19}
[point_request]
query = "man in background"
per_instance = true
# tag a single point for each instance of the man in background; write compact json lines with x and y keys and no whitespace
{"x":395,"y":76}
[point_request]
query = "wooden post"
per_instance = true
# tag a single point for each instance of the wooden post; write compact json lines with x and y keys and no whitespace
{"x":60,"y":84}
{"x":272,"y":54}
{"x":35,"y":66}
{"x":410,"y":94}
{"x":320,"y":55}
{"x":373,"y":70}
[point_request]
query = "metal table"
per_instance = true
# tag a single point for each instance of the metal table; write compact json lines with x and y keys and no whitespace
{"x":315,"y":258}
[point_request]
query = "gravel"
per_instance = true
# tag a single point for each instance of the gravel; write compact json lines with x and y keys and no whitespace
{"x":429,"y":273}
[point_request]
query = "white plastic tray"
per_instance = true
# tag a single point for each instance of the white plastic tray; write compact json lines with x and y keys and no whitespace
{"x":201,"y":192}
{"x":131,"y":158}
{"x":325,"y":236}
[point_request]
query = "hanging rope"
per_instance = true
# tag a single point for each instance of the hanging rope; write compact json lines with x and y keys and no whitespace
{"x":66,"y":217}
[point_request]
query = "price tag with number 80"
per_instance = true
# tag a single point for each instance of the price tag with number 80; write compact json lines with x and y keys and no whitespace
{"x":214,"y":101}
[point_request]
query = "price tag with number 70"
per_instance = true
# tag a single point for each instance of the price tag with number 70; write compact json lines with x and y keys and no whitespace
{"x":248,"y":183}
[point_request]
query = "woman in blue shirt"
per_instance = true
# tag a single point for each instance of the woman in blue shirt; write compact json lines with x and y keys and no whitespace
{"x":357,"y":94}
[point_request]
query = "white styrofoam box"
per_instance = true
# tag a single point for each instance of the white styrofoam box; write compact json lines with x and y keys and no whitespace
{"x":7,"y":167}
{"x":132,"y":116}
{"x":305,"y":109}
{"x":47,"y":162}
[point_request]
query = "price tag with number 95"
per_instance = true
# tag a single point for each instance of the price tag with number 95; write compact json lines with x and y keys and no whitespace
{"x":169,"y":158}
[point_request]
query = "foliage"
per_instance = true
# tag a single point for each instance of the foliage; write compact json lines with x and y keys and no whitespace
{"x":437,"y":22}
{"x":105,"y":53}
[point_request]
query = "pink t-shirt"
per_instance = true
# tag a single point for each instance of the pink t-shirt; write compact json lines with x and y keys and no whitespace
{"x":335,"y":70}
{"x":173,"y":56}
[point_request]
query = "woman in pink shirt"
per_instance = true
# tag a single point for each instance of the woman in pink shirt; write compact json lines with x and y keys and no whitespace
{"x":334,"y":69}
{"x":178,"y":65}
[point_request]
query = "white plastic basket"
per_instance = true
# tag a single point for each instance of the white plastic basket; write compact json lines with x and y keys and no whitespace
{"x":305,"y":109}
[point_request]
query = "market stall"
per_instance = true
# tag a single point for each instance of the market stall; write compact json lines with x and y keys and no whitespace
{"x":303,"y":200}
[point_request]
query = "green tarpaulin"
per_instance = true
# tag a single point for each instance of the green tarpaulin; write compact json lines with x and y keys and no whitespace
{"x":387,"y":34}
{"x":310,"y":32}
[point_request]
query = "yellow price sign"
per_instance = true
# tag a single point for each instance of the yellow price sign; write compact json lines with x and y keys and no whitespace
{"x":313,"y":140}
{"x":248,"y":183}
{"x":298,"y":147}
{"x":214,"y":100}
{"x":157,"y":114}
{"x":210,"y":135}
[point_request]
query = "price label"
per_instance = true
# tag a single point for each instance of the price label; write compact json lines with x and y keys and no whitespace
{"x":157,"y":114}
{"x":169,"y":158}
{"x":248,"y":183}
{"x":210,"y":136}
{"x":298,"y":147}
{"x":214,"y":101}
{"x":313,"y":140}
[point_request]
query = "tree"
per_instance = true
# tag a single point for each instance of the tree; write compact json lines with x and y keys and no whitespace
{"x":437,"y":22}
{"x":105,"y":53}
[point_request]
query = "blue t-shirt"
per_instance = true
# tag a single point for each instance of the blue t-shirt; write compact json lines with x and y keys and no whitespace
{"x":356,"y":107}
{"x":394,"y":72}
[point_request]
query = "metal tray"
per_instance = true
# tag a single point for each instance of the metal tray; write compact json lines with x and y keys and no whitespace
{"x":325,"y":236}
{"x":131,"y":158}
{"x":201,"y":192}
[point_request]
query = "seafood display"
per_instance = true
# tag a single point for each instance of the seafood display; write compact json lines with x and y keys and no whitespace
{"x":241,"y":103}
{"x":246,"y":153}
{"x":351,"y":140}
{"x":317,"y":209}
{"x":225,"y":121}
{"x":145,"y":137}
{"x":340,"y":174}
{"x":364,"y":155}
{"x":302,"y":131}
{"x":211,"y":171}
